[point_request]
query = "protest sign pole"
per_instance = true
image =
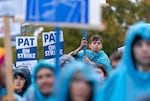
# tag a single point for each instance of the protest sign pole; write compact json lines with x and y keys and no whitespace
{"x":84,"y":37}
{"x":57,"y":50}
{"x":8,"y":59}
{"x":83,"y":22}
{"x":57,"y":47}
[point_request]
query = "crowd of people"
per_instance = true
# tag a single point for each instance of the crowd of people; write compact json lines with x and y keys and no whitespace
{"x":89,"y":76}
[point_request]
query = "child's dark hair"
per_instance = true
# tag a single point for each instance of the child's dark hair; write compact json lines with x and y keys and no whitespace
{"x":116,"y":56}
{"x":96,"y":38}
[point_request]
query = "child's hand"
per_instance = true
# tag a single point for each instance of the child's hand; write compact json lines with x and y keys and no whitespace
{"x":83,"y":43}
{"x":86,"y":59}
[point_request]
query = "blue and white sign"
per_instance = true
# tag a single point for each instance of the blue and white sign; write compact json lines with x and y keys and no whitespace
{"x":26,"y":51}
{"x":70,"y":13}
{"x":49,"y":43}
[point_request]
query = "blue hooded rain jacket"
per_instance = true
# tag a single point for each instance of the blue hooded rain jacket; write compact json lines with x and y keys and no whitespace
{"x":127,"y":83}
{"x":64,"y":79}
{"x":33,"y":93}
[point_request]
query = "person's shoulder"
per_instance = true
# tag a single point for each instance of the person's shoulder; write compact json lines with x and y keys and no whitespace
{"x":52,"y":99}
{"x":108,"y":87}
{"x":30,"y":89}
{"x":19,"y":98}
{"x":114,"y":78}
{"x":102,"y":52}
{"x":29,"y":94}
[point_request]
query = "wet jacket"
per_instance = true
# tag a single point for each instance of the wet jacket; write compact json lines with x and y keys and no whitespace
{"x":127,"y":83}
{"x":33,"y":93}
{"x":99,"y":58}
{"x":65,"y":77}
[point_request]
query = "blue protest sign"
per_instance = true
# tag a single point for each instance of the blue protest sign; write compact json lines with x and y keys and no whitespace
{"x":49,"y":44}
{"x":40,"y":10}
{"x":70,"y":13}
{"x":26,"y":51}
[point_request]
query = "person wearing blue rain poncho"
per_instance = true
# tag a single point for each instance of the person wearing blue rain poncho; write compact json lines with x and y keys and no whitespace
{"x":42,"y":86}
{"x":77,"y":82}
{"x":94,"y":56}
{"x":131,"y":80}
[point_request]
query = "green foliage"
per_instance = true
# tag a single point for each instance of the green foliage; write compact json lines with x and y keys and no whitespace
{"x":117,"y":18}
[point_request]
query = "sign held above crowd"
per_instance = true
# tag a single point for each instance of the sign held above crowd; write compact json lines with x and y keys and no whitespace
{"x":65,"y":13}
{"x":26,"y":51}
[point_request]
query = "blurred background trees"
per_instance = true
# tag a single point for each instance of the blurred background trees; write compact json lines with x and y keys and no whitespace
{"x":117,"y":17}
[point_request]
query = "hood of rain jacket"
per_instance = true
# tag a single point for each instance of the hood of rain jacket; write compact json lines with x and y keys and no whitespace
{"x":65,"y":77}
{"x":33,"y":93}
{"x":127,"y":83}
